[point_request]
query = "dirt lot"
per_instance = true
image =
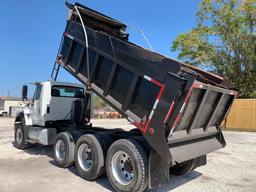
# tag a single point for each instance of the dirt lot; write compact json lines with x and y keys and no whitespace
{"x":230,"y":169}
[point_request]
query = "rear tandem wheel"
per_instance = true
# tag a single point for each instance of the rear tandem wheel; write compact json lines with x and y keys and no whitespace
{"x":183,"y":168}
{"x":64,"y":148}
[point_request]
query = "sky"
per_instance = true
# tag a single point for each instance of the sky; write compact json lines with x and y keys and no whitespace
{"x":30,"y":33}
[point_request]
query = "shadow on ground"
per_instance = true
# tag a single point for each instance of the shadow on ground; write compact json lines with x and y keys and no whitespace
{"x":37,"y":149}
{"x":174,"y":182}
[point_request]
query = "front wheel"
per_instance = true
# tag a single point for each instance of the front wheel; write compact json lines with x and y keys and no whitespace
{"x":19,"y":137}
{"x":127,"y":166}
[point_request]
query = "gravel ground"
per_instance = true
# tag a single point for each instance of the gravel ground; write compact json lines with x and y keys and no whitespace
{"x":230,"y":169}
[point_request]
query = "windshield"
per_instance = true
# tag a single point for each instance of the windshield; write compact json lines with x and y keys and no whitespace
{"x":37,"y":92}
{"x":67,"y":91}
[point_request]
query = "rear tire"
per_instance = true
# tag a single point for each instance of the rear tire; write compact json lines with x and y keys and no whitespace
{"x":127,"y":166}
{"x":19,"y":136}
{"x":4,"y":114}
{"x":64,"y":148}
{"x":183,"y":168}
{"x":90,"y":156}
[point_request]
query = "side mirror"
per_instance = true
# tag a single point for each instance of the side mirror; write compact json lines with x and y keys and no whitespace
{"x":24,"y":92}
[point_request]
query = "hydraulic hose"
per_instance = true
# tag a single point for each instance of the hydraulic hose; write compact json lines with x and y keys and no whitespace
{"x":86,"y":47}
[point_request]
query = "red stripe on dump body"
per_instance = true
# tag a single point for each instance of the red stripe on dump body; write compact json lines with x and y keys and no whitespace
{"x":169,"y":112}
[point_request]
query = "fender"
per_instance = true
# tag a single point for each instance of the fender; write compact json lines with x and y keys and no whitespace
{"x":19,"y":117}
{"x":32,"y":118}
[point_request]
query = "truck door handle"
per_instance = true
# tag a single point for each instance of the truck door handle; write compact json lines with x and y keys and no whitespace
{"x":48,"y":109}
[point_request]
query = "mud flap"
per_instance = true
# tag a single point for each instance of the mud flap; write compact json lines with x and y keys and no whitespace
{"x":158,"y":170}
{"x":221,"y":138}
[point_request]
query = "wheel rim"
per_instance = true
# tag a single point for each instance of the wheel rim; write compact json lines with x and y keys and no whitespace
{"x":60,"y":150}
{"x":122,"y":168}
{"x":19,"y":136}
{"x":85,"y":159}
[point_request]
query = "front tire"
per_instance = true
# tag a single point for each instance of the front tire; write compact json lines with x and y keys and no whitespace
{"x":64,"y":148}
{"x":19,"y":136}
{"x":127,"y":166}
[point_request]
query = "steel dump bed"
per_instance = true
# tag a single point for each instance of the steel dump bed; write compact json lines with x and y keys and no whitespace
{"x":177,"y":107}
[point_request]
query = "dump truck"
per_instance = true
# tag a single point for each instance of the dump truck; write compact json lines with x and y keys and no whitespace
{"x":176,"y":108}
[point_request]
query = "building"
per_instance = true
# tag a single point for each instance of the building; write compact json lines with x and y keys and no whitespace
{"x":10,"y":105}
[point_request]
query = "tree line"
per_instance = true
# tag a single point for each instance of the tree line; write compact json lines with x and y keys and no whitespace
{"x":223,"y":41}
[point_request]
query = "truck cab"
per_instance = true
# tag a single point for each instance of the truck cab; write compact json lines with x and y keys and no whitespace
{"x":52,"y":101}
{"x":50,"y":106}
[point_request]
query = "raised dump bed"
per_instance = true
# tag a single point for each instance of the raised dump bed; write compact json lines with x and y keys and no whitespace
{"x":177,"y":107}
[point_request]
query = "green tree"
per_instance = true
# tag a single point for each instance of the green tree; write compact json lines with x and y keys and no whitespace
{"x":223,"y":41}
